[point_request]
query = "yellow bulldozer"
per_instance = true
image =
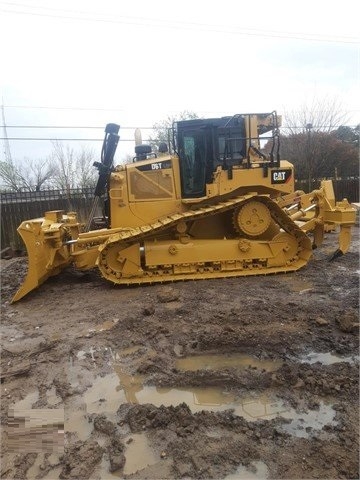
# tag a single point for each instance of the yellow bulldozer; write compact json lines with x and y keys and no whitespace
{"x":210,"y":203}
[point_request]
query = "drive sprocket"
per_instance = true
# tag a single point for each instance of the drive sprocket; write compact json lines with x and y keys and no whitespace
{"x":252,"y":219}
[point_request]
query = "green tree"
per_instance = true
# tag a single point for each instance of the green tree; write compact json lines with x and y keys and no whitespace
{"x":348,"y":134}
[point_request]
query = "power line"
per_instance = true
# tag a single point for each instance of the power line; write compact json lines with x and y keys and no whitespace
{"x":65,"y":108}
{"x":72,"y":127}
{"x":63,"y":139}
{"x":299,"y":127}
{"x":160,"y":23}
{"x":6,"y":138}
{"x":315,"y":127}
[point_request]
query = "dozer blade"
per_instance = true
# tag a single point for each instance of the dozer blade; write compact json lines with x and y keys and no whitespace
{"x":47,"y":255}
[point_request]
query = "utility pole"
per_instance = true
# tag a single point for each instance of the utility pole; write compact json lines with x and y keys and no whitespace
{"x":308,"y":128}
{"x":7,"y":151}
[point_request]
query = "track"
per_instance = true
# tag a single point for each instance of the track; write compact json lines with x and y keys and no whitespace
{"x":137,"y":255}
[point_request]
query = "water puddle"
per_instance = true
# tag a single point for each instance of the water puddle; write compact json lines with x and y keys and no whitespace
{"x":218,"y":362}
{"x":302,"y":424}
{"x":296,"y":284}
{"x":212,"y":399}
{"x":108,"y":392}
{"x":77,"y":424}
{"x":257,"y":470}
{"x":138,"y":453}
{"x":327,"y":358}
{"x":52,"y":397}
{"x":55,"y":336}
{"x":27,"y":402}
{"x":128,"y":351}
{"x":53,"y":474}
{"x":107,"y":325}
{"x":36,"y":468}
{"x":252,"y":409}
{"x":81,"y":354}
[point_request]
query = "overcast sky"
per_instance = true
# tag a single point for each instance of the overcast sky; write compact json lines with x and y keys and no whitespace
{"x":133,"y":62}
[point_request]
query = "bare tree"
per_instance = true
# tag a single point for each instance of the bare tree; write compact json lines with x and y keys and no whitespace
{"x":73,"y":169}
{"x":37,"y":173}
{"x":64,"y":168}
{"x":86,"y":173}
{"x":63,"y":158}
{"x":308,"y":141}
{"x":321,"y":115}
{"x":9,"y":175}
{"x":30,"y":175}
{"x":128,"y":158}
{"x":161,"y":129}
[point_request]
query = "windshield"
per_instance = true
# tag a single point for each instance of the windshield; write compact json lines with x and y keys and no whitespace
{"x":193,"y":163}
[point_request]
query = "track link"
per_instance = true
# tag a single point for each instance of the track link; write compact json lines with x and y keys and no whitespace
{"x":121,"y":261}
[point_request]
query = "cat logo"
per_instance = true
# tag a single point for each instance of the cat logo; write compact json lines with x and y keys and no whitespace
{"x":281,"y":176}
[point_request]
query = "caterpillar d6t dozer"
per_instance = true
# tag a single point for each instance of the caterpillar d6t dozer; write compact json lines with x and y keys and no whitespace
{"x":210,"y":205}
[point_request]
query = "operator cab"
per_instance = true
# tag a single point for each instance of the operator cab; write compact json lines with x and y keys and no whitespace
{"x":202,"y":145}
{"x":230,"y":142}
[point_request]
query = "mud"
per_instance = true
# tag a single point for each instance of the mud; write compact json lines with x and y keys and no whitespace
{"x":236,"y":378}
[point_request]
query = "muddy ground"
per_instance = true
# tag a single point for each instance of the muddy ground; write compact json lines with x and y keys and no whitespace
{"x":236,"y":378}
